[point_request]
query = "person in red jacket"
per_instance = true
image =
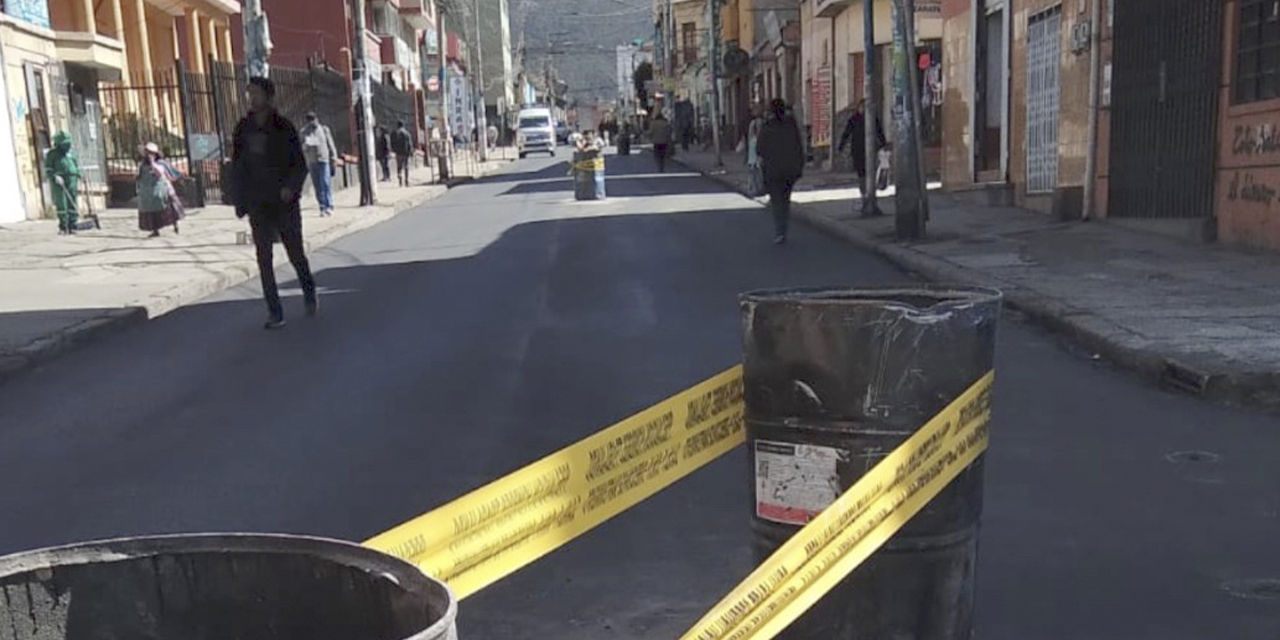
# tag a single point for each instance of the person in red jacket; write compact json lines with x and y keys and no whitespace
{"x":268,"y":170}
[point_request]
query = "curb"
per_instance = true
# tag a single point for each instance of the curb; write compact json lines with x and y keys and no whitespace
{"x":55,"y":344}
{"x":1260,"y":390}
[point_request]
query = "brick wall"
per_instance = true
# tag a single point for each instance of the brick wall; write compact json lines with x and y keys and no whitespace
{"x":1248,"y":176}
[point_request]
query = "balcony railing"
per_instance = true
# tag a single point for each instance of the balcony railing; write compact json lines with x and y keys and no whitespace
{"x":831,"y":8}
{"x":417,"y":13}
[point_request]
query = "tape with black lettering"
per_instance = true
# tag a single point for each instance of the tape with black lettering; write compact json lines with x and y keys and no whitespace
{"x":497,"y":529}
{"x":845,"y":534}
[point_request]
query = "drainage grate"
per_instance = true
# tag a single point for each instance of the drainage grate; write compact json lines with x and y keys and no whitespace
{"x":1259,"y":589}
{"x":1181,"y":376}
{"x":1200,"y":457}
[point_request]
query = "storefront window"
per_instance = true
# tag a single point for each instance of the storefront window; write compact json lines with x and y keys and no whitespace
{"x":1258,"y":51}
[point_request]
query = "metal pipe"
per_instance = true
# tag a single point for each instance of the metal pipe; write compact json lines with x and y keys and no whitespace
{"x":1095,"y":72}
{"x":714,"y":66}
{"x":913,"y":67}
{"x":368,"y":188}
{"x":871,"y":113}
{"x":482,"y":126}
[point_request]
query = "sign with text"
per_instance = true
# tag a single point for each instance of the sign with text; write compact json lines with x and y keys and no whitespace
{"x":820,"y":102}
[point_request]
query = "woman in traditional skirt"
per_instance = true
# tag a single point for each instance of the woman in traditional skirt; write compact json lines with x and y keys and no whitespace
{"x":158,"y":202}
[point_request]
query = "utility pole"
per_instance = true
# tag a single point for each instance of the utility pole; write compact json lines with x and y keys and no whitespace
{"x":714,"y":67}
{"x":871,"y":114}
{"x":364,"y":110}
{"x":909,"y":199}
{"x":917,"y":109}
{"x":446,"y":128}
{"x":257,"y":40}
{"x":482,"y":135}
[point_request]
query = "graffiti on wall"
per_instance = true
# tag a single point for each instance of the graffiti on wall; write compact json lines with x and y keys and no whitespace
{"x":1245,"y":187}
{"x":1256,"y":140}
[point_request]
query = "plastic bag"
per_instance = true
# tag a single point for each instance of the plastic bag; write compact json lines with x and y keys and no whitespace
{"x":755,"y":182}
{"x":884,"y":163}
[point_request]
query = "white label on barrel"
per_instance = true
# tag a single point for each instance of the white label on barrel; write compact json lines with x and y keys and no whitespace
{"x":795,"y":482}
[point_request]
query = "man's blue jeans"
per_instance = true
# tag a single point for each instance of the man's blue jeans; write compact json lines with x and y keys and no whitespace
{"x":322,"y":180}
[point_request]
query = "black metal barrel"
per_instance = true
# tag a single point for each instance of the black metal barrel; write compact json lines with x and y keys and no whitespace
{"x":220,"y":587}
{"x":588,"y":175}
{"x":835,"y":379}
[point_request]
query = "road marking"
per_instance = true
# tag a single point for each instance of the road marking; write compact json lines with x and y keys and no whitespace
{"x":493,"y":531}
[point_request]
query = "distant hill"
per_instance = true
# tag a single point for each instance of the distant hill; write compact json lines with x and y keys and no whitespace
{"x":581,"y":47}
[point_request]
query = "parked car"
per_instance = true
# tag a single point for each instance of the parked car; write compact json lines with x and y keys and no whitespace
{"x":562,"y":133}
{"x":535,"y":132}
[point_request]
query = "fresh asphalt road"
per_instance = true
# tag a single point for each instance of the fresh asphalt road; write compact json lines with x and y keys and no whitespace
{"x":465,"y":338}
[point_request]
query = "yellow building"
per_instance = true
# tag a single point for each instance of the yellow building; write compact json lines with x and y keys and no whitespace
{"x":62,"y":56}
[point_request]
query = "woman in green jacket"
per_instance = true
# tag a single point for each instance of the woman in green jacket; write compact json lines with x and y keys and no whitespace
{"x":63,"y":171}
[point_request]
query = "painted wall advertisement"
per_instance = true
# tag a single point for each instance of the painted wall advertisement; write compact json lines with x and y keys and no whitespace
{"x":820,"y":101}
{"x":461,"y":119}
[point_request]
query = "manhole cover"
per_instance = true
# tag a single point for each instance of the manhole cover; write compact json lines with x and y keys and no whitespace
{"x":1200,"y":457}
{"x":1264,"y":589}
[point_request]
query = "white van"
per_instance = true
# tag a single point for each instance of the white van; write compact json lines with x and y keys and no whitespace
{"x":535,"y":131}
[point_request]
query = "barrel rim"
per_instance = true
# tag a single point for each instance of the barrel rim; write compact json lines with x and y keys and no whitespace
{"x":406,"y":575}
{"x":835,"y":295}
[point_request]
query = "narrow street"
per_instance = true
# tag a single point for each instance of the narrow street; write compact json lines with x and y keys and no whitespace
{"x":465,"y":338}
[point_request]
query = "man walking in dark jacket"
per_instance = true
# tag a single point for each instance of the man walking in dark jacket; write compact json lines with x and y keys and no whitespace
{"x":268,"y":170}
{"x":782,"y":159}
{"x":402,"y":145}
{"x":855,"y":135}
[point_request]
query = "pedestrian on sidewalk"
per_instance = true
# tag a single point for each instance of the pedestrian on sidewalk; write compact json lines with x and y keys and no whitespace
{"x":855,"y":135}
{"x":382,"y":149}
{"x":402,"y":145}
{"x":660,"y":134}
{"x":321,"y":154}
{"x":268,"y":170}
{"x":782,"y":159}
{"x":63,"y":170}
{"x":158,"y":203}
{"x":755,"y":177}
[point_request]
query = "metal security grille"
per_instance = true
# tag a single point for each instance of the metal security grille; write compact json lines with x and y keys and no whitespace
{"x":1044,"y":51}
{"x":1164,"y":114}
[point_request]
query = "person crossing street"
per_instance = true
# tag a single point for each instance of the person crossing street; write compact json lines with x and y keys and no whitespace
{"x":661,"y":135}
{"x":268,"y":169}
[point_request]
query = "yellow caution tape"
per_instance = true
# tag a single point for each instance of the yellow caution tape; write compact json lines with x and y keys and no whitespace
{"x":495,"y":530}
{"x":844,"y":535}
{"x":596,"y":164}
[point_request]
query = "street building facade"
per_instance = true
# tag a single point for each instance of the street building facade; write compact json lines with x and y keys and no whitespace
{"x":833,"y":46}
{"x":1017,"y":101}
{"x":775,"y":54}
{"x":60,"y":54}
{"x":499,"y":70}
{"x":396,"y":41}
{"x":629,"y":58}
{"x":1248,"y":172}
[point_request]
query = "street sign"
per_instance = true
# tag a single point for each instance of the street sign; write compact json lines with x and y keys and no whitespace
{"x":929,"y":7}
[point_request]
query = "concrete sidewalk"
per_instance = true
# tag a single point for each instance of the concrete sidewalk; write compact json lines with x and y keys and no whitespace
{"x":60,"y":291}
{"x":1203,"y":318}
